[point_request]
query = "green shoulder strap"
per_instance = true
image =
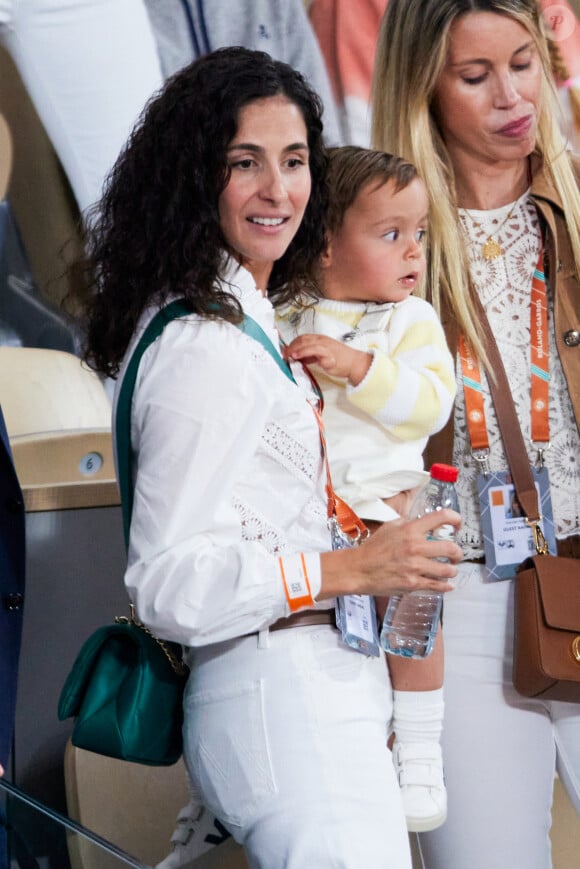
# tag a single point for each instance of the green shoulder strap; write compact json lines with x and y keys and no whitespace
{"x":172,"y":311}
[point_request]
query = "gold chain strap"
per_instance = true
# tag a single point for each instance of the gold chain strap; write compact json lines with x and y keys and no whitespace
{"x":178,"y":666}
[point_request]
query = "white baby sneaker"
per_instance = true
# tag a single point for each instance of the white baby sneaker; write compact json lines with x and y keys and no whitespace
{"x":196,"y":831}
{"x":419,"y":768}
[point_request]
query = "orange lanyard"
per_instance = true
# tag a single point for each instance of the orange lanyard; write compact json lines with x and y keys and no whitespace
{"x":539,"y":379}
{"x":348,"y":521}
{"x":540,"y":366}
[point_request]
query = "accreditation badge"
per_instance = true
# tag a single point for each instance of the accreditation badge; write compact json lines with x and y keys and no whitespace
{"x":356,"y":616}
{"x":507,"y":538}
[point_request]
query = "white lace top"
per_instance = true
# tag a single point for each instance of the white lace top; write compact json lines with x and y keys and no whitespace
{"x":229,"y":479}
{"x":504,"y":286}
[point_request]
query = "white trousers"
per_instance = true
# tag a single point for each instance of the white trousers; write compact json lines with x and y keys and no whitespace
{"x":89,"y":67}
{"x":500,"y":749}
{"x":285,"y":738}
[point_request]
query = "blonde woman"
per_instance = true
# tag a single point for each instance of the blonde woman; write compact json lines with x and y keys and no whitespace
{"x":463,"y":89}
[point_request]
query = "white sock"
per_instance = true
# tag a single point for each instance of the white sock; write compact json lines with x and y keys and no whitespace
{"x":418,"y":715}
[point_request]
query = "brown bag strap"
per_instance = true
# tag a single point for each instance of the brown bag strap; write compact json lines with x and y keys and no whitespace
{"x":509,"y":425}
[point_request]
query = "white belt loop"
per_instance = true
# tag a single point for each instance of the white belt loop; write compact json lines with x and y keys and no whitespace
{"x":264,"y":639}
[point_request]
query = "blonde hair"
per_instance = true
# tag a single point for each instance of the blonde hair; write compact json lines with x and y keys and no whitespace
{"x":411,"y":52}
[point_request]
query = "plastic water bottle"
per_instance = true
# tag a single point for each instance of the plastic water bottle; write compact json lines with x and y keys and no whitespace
{"x":411,"y":621}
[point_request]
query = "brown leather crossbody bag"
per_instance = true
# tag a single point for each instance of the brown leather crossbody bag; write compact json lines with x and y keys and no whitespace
{"x":547,"y":593}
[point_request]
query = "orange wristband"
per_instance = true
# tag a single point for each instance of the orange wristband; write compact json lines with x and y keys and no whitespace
{"x":296,"y":582}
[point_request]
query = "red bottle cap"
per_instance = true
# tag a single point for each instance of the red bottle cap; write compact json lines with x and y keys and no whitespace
{"x":445,"y":473}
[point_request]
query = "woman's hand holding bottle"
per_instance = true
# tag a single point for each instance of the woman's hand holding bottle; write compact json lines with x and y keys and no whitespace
{"x":397,"y":558}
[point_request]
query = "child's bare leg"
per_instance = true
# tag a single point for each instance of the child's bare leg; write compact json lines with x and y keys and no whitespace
{"x":410,"y":674}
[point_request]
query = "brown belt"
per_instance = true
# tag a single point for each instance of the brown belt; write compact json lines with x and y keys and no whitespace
{"x":304,"y":619}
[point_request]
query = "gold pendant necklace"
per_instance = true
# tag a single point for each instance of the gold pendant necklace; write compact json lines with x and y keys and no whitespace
{"x":491,"y":248}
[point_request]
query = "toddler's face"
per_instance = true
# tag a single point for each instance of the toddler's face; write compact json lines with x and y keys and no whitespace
{"x":378,"y":253}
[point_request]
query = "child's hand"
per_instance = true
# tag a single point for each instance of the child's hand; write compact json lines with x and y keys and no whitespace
{"x":334,"y":357}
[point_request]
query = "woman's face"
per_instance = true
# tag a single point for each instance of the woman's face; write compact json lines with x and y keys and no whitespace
{"x":487,"y":97}
{"x":263,"y":204}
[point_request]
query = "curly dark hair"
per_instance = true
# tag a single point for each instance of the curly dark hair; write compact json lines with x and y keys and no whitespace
{"x":156,"y":231}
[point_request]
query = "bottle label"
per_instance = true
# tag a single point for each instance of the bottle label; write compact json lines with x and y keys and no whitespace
{"x":507,"y":538}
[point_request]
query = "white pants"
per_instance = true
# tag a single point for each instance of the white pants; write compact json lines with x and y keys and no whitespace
{"x":285,"y":738}
{"x":89,"y":67}
{"x":500,"y":749}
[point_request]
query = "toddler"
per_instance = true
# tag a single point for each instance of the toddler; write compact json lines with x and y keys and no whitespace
{"x":388,"y":382}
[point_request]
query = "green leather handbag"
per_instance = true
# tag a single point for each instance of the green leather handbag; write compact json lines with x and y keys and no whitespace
{"x":125,"y":689}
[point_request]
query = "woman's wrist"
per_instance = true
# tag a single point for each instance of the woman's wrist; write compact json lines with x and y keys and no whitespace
{"x":340,"y":574}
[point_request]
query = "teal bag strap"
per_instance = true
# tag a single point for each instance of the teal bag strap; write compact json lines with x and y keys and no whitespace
{"x":254,"y":330}
{"x":172,"y":311}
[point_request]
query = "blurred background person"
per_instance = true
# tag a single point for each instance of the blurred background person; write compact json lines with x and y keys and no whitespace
{"x":347,"y":33}
{"x":89,"y":67}
{"x":185,"y":30}
{"x":563,"y":31}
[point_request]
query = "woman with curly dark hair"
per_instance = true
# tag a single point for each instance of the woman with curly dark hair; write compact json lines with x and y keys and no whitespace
{"x":219,"y":200}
